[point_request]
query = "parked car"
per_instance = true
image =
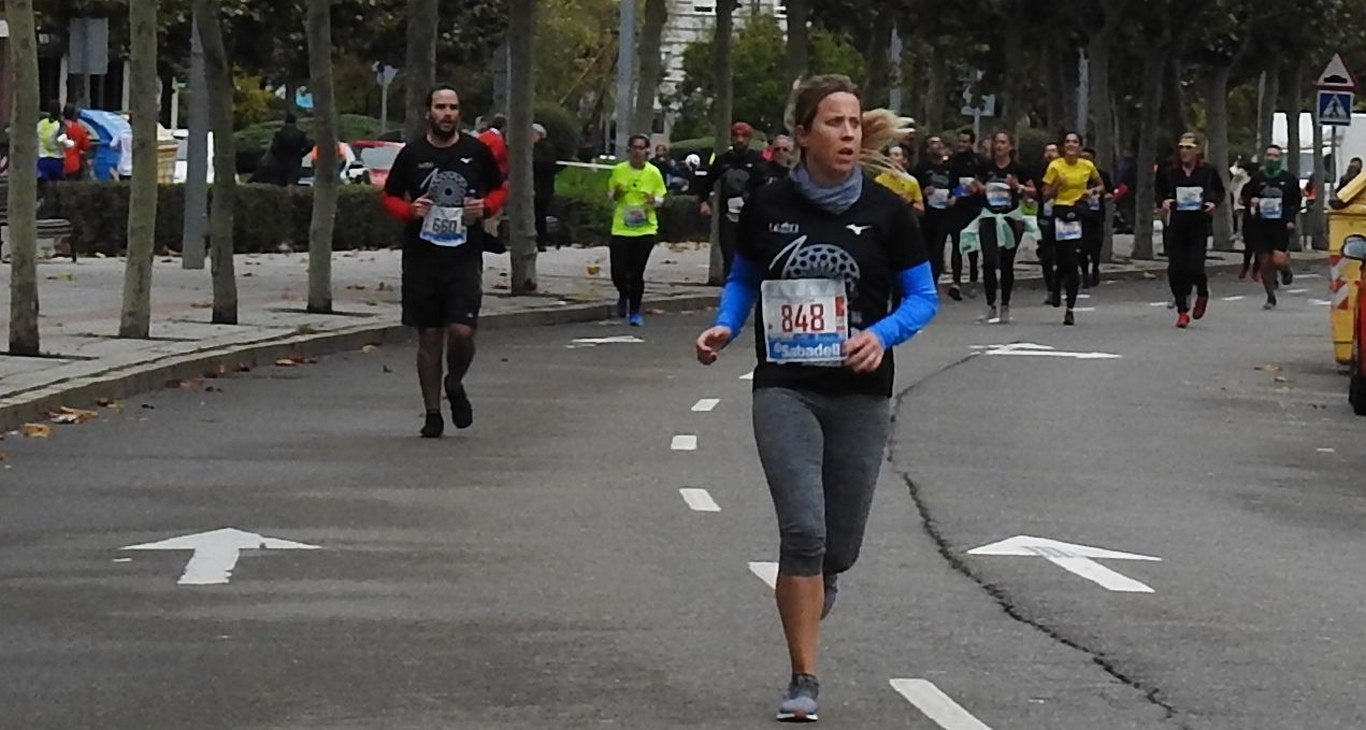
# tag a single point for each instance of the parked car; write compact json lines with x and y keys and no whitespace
{"x":1355,"y":248}
{"x":376,"y":160}
{"x":348,"y":173}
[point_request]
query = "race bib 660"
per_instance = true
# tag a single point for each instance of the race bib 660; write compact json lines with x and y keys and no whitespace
{"x":444,"y":226}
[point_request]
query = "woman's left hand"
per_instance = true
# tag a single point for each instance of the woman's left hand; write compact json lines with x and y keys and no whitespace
{"x":863,"y":352}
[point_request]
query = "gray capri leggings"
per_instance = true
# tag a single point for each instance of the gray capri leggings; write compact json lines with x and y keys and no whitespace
{"x":821,"y":455}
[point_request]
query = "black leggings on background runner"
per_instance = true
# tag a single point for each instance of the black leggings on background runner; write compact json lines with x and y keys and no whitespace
{"x":1185,"y":244}
{"x":996,"y":257}
{"x":1047,"y":253}
{"x":935,"y":226}
{"x":1092,"y":234}
{"x":630,"y":255}
{"x":1065,"y":253}
{"x":956,"y":259}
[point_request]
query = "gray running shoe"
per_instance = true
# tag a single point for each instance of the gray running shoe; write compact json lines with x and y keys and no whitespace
{"x":990,"y":315}
{"x":1005,"y":315}
{"x":799,"y":702}
{"x":832,"y":591}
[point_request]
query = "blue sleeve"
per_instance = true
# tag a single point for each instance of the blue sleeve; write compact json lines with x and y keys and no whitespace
{"x":919,"y":303}
{"x":737,"y":299}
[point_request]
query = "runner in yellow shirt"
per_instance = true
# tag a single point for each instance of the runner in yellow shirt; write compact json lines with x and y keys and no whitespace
{"x":637,"y":188}
{"x":904,"y":185}
{"x":1067,"y":181}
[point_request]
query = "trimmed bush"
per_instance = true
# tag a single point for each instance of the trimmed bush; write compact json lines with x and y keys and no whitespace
{"x":265,"y":218}
{"x":561,"y":128}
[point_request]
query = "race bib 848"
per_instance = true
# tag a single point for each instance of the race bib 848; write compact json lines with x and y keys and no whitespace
{"x":805,"y":320}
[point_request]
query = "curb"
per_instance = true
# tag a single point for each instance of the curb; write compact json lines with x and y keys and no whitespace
{"x":130,"y":380}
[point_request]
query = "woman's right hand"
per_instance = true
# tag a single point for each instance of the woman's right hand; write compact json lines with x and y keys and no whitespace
{"x":711,"y":343}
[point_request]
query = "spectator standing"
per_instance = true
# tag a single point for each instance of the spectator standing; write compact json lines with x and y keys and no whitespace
{"x":544,"y":167}
{"x":78,"y":153}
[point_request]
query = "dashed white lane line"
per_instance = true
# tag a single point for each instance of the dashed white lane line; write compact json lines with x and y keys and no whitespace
{"x":1158,"y":304}
{"x":1321,"y":302}
{"x":748,"y":376}
{"x":1309,"y":276}
{"x":1237,"y":298}
{"x":766,"y":572}
{"x":705,"y":405}
{"x":684,"y":442}
{"x":699,"y":500}
{"x":936,"y":705}
{"x":1327,"y":451}
{"x":1083,"y":296}
{"x":1083,"y":309}
{"x":1296,"y":291}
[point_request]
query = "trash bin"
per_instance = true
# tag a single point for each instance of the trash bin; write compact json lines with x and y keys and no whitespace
{"x":1346,"y":219}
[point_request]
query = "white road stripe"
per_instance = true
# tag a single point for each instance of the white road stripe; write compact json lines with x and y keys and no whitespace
{"x":705,"y":405}
{"x":1328,"y":451}
{"x":1296,"y":291}
{"x":1309,"y":276}
{"x":1321,"y":302}
{"x":1237,"y":298}
{"x":684,"y":442}
{"x":1083,"y":296}
{"x":1158,"y":304}
{"x":1083,"y":309}
{"x":767,"y":572}
{"x":748,"y":376}
{"x":699,"y":500}
{"x":936,"y":705}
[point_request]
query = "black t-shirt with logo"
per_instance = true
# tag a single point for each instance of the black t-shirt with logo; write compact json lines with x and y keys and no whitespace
{"x":788,"y":237}
{"x":937,"y":176}
{"x":737,"y":173}
{"x":1283,"y":185}
{"x":448,"y":175}
{"x":990,"y":174}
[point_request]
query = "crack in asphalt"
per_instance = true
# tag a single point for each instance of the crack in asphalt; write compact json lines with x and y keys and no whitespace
{"x":998,"y":594}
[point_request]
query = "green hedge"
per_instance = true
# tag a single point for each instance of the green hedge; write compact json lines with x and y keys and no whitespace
{"x":266,"y":216}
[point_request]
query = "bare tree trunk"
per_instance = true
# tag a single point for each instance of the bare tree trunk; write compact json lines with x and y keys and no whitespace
{"x":218,"y":75}
{"x":1016,"y":114}
{"x":1293,"y":101}
{"x":798,"y":63}
{"x":1102,"y":111}
{"x":1058,"y":118}
{"x":879,"y":64}
{"x":1271,"y":98}
{"x":722,"y":106}
{"x":651,"y":64}
{"x":1216,"y":104}
{"x":1154,"y":62}
{"x":934,"y":93}
{"x":1175,"y":103}
{"x":136,"y":319}
{"x":1316,"y":220}
{"x":420,"y":65}
{"x":23,"y":189}
{"x":325,"y":178}
{"x":522,"y":92}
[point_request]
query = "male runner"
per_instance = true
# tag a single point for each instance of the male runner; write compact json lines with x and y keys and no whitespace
{"x":442,"y":186}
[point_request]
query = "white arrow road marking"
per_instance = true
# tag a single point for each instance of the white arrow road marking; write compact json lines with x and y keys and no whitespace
{"x":748,"y":376}
{"x":684,"y":442}
{"x":705,"y":405}
{"x":767,"y":572}
{"x":699,"y":500}
{"x":1028,"y":349}
{"x":1237,"y":298}
{"x":216,"y":552}
{"x":1075,"y":559}
{"x":936,"y":705}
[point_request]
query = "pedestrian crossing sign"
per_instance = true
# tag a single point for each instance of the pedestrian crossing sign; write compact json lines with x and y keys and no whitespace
{"x":1335,"y":108}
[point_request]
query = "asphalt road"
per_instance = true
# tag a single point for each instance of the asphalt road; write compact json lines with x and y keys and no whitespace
{"x":543,"y":569}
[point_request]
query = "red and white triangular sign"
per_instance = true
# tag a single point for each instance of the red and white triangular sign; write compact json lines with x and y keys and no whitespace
{"x":1336,"y":77}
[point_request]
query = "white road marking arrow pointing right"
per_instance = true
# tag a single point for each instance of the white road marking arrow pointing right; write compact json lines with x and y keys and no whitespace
{"x":1076,"y":559}
{"x":216,"y":552}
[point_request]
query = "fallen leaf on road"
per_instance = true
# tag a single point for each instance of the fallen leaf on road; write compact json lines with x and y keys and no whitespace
{"x":201,"y":305}
{"x":149,"y":406}
{"x":501,"y":287}
{"x":243,"y":368}
{"x":212,"y":389}
{"x":187,"y":384}
{"x":108,"y":403}
{"x":593,"y":270}
{"x":68,"y":276}
{"x":388,"y":369}
{"x":383,"y":287}
{"x":1149,"y":275}
{"x":655,"y":312}
{"x":372,"y":302}
{"x":306,"y":329}
{"x":370,"y":349}
{"x":36,"y":430}
{"x":356,"y":287}
{"x":1281,"y":379}
{"x":247,"y":273}
{"x":2,"y":456}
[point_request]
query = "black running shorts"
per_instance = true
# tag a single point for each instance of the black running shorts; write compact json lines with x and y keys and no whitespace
{"x":442,"y":287}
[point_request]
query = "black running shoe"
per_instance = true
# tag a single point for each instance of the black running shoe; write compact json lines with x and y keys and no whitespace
{"x":434,"y":426}
{"x":462,"y":413}
{"x":1287,"y":276}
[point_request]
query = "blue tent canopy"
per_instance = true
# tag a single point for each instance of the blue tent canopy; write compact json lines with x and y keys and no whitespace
{"x":107,"y":127}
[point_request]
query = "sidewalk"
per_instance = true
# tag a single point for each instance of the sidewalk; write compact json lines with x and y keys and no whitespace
{"x":85,"y":362}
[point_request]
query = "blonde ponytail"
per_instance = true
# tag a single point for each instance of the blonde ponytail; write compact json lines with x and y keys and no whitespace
{"x":880,"y":126}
